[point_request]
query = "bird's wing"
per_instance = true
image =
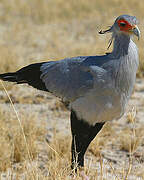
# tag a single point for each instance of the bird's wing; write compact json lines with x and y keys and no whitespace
{"x":73,"y":77}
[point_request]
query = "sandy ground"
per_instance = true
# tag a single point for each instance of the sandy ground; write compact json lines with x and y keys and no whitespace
{"x":114,"y":159}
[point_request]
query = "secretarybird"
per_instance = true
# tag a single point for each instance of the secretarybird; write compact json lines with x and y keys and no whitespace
{"x":97,"y":88}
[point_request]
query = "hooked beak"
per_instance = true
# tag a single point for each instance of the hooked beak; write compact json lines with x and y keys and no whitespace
{"x":136,"y":31}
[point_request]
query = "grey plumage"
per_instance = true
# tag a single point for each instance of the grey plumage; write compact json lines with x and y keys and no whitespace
{"x":97,"y":88}
{"x":71,"y":77}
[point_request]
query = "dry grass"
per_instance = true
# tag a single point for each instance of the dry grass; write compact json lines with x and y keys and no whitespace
{"x":41,"y":30}
{"x":48,"y":160}
{"x":51,"y":160}
{"x":129,"y":142}
{"x":102,"y":140}
{"x":12,"y":147}
{"x":131,"y":138}
{"x":33,"y":31}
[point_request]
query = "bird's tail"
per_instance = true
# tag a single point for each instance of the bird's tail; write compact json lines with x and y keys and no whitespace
{"x":12,"y":77}
{"x":29,"y":74}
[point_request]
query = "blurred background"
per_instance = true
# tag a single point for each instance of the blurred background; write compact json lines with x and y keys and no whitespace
{"x":32,"y":31}
{"x":42,"y":30}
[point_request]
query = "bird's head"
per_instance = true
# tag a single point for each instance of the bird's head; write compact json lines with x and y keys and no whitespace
{"x":124,"y":24}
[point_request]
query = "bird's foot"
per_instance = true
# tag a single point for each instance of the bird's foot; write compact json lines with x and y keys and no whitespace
{"x":80,"y":174}
{"x":83,"y":175}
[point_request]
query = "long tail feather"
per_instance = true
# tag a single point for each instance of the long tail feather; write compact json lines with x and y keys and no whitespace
{"x":12,"y":77}
{"x":29,"y":74}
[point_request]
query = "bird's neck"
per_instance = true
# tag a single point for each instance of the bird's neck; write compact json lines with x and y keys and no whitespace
{"x":121,"y":45}
{"x":125,"y":51}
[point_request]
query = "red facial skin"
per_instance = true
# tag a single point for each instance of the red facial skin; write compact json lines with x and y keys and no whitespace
{"x":127,"y":28}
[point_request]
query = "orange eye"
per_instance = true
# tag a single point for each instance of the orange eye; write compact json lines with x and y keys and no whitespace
{"x":124,"y":25}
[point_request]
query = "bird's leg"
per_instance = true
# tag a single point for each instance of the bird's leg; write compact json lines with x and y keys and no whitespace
{"x":82,"y":135}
